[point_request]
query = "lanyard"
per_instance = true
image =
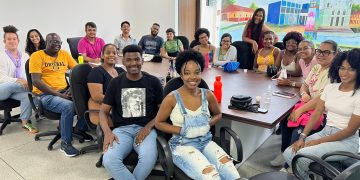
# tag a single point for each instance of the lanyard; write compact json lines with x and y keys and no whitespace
{"x":16,"y":63}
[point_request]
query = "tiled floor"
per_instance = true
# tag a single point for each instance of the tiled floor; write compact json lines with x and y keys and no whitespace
{"x":23,"y":158}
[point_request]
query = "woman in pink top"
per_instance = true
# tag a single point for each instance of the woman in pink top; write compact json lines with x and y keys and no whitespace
{"x":308,"y":60}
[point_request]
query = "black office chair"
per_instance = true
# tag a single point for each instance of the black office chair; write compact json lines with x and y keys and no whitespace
{"x":327,"y":170}
{"x":7,"y":105}
{"x":173,"y":172}
{"x":184,"y":40}
{"x":279,"y":45}
{"x":42,"y":112}
{"x":244,"y":54}
{"x":80,"y":96}
{"x":73,"y":43}
{"x":195,"y":43}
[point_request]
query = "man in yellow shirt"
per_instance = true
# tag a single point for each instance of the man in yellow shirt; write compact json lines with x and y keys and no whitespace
{"x":47,"y":69}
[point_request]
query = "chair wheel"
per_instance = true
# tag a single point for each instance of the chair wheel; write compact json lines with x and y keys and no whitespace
{"x":50,"y":148}
{"x":36,"y":138}
{"x":98,"y":164}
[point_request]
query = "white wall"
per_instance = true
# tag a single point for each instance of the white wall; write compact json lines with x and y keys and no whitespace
{"x":68,"y":17}
{"x":210,"y":19}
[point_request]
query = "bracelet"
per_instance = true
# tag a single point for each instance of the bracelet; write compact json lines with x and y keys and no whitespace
{"x":302,"y":136}
{"x":302,"y":93}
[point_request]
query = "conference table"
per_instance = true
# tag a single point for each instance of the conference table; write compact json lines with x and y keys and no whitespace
{"x":252,"y":128}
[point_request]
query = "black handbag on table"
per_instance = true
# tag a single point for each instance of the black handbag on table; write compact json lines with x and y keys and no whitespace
{"x":243,"y":102}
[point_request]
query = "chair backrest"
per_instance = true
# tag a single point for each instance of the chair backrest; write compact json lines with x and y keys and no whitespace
{"x":244,"y":54}
{"x":28,"y":76}
{"x":184,"y":40}
{"x":177,"y":82}
{"x":279,"y":45}
{"x":194,"y":43}
{"x":350,"y":173}
{"x":73,"y":43}
{"x":80,"y":91}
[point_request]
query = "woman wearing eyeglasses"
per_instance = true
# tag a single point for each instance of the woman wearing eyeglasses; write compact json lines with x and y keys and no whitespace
{"x":310,"y":92}
{"x":226,"y":52}
{"x":342,"y":103}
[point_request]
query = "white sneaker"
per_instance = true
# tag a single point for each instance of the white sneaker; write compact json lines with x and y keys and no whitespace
{"x":278,"y":161}
{"x":287,"y":170}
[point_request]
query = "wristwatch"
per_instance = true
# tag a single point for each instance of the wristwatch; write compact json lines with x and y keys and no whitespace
{"x":293,"y":84}
{"x":302,"y":136}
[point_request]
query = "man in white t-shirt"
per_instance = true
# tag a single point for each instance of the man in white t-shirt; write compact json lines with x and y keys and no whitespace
{"x":13,"y":82}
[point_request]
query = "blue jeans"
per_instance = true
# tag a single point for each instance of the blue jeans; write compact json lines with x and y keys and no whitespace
{"x":195,"y":156}
{"x":15,"y":91}
{"x":349,"y":144}
{"x":66,"y":108}
{"x":147,"y":153}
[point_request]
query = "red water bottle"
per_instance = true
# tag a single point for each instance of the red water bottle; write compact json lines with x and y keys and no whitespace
{"x":218,"y":88}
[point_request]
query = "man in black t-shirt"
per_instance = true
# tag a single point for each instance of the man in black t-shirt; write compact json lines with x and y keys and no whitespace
{"x":133,"y":98}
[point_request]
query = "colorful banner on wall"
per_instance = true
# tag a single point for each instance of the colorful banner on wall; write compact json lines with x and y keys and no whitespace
{"x":317,"y":20}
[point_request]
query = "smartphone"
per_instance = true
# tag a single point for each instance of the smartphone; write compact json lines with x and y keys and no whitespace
{"x":262,"y":110}
{"x":284,"y":94}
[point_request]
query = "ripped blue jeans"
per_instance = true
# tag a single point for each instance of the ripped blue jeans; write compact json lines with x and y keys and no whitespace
{"x":193,"y":150}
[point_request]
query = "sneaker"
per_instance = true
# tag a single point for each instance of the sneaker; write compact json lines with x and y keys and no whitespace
{"x":287,"y":170}
{"x":30,"y":128}
{"x":278,"y":161}
{"x":87,"y":137}
{"x":69,"y":150}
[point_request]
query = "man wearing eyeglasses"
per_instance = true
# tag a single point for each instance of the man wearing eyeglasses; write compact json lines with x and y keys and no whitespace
{"x":47,"y":68}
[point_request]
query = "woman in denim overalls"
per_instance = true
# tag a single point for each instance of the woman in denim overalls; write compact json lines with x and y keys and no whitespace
{"x":188,"y":107}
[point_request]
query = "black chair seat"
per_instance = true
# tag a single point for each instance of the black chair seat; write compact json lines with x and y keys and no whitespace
{"x":325,"y":173}
{"x":274,"y":175}
{"x":6,"y":106}
{"x":9,"y":104}
{"x":52,"y":115}
{"x":131,"y":159}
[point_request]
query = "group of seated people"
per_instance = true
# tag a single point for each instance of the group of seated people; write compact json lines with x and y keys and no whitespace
{"x":135,"y":99}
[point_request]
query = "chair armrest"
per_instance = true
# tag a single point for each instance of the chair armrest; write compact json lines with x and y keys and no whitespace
{"x":87,"y":119}
{"x":37,"y":107}
{"x":340,"y":153}
{"x":100,"y":137}
{"x":318,"y":160}
{"x":165,"y":157}
{"x":237,"y":141}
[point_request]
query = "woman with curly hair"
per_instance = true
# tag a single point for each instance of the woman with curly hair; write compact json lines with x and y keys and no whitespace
{"x":189,"y":109}
{"x":288,"y":58}
{"x":341,"y":100}
{"x":34,"y":41}
{"x":202,"y":36}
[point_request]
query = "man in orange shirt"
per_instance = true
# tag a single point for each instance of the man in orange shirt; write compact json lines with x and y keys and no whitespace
{"x":47,"y":69}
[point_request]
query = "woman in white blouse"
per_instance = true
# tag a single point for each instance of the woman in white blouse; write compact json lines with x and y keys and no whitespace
{"x":226,"y":52}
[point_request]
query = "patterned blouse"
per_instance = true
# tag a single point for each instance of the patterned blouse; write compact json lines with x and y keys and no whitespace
{"x":317,"y":80}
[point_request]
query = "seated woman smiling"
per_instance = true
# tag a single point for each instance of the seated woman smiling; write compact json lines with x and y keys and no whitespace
{"x":189,"y":109}
{"x":99,"y":78}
